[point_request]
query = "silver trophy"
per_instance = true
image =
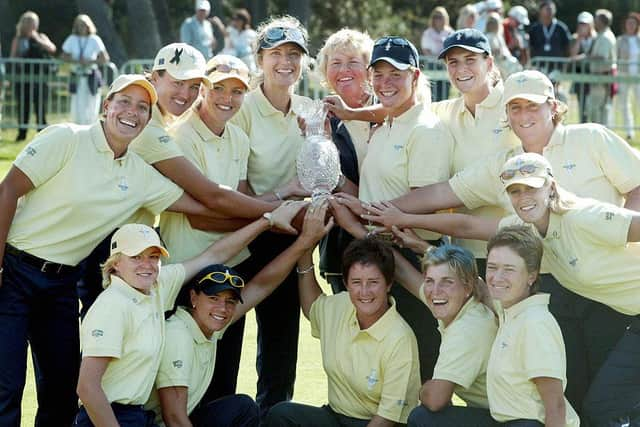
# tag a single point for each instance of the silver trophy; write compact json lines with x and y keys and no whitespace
{"x":318,"y":161}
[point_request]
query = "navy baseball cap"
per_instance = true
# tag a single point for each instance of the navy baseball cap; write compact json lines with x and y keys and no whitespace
{"x":217,"y":278}
{"x":276,"y":36}
{"x":469,"y":39}
{"x":397,"y":51}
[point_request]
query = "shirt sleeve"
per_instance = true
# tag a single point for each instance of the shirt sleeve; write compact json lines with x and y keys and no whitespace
{"x":67,"y":45}
{"x":606,"y":224}
{"x":400,"y":384}
{"x":460,"y":360}
{"x":47,"y":154}
{"x":103,"y":330}
{"x":171,"y":279}
{"x":543,"y":349}
{"x":479,"y":184}
{"x":618,"y":160}
{"x":99,"y":43}
{"x":177,"y":357}
{"x":317,"y":315}
{"x":154,"y":145}
{"x":429,"y":154}
{"x":161,"y":192}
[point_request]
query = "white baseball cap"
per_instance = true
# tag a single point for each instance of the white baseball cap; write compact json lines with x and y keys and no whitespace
{"x":529,"y":84}
{"x":585,"y":18}
{"x":203,"y":5}
{"x":527,"y":168}
{"x":133,"y":239}
{"x":520,"y":14}
{"x":182,"y":61}
{"x":223,"y":67}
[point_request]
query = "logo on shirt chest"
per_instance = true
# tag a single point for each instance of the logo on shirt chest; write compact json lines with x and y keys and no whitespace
{"x":372,"y":379}
{"x":569,"y":167}
{"x":97,"y":333}
{"x":122,"y":185}
{"x":164,"y":139}
{"x":177,"y":364}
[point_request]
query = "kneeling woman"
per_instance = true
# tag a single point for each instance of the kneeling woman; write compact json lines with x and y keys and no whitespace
{"x":369,"y":353}
{"x":217,"y":297}
{"x":123,"y":332}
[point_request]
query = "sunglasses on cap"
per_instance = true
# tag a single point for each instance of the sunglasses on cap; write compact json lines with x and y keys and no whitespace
{"x":276,"y":34}
{"x":228,"y":69}
{"x":396,"y":41}
{"x":220,"y":277}
{"x":524,"y":170}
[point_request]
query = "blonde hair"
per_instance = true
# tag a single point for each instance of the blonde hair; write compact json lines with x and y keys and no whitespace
{"x":422,"y":87}
{"x":28,"y":16}
{"x":560,"y":110}
{"x":108,"y":268}
{"x":86,"y":20}
{"x":493,"y":23}
{"x":285,"y":21}
{"x":561,"y":201}
{"x":344,"y":40}
{"x":445,"y":15}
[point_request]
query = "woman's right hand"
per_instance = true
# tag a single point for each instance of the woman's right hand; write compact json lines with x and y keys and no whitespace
{"x":282,"y":216}
{"x":314,"y":227}
{"x":407,"y":238}
{"x":385,"y":214}
{"x":337,"y":107}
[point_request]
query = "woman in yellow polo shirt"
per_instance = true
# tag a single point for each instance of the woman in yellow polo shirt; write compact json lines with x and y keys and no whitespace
{"x":368,"y":351}
{"x":123,"y":332}
{"x":267,"y":117}
{"x":410,"y":149}
{"x":66,"y":191}
{"x":216,"y":299}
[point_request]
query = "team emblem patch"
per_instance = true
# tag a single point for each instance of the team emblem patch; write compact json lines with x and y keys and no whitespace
{"x":164,"y":139}
{"x":97,"y":333}
{"x":31,"y":151}
{"x":177,"y":364}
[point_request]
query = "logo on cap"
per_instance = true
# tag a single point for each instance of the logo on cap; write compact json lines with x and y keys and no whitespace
{"x":176,"y":56}
{"x":388,"y":46}
{"x":161,"y":61}
{"x":459,"y":36}
{"x":521,"y":80}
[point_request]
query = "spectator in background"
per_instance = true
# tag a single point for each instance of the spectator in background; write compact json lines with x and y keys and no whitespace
{"x":467,"y":16}
{"x":628,"y":46}
{"x":484,"y":8}
{"x":580,"y":45}
{"x":31,"y":44}
{"x":549,"y":37}
{"x":85,"y":50}
{"x":601,"y":57}
{"x":431,"y":45}
{"x":515,"y":34}
{"x":241,"y":38}
{"x":507,"y":63}
{"x":197,"y":30}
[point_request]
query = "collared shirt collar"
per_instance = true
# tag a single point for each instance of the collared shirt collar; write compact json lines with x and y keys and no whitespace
{"x":129,"y":291}
{"x":517,"y":309}
{"x":381,"y":327}
{"x":99,"y":140}
{"x":411,"y":114}
{"x":195,"y":331}
{"x":558,"y":135}
{"x":201,"y":128}
{"x":490,"y":101}
{"x":468,"y":306}
{"x":267,"y":109}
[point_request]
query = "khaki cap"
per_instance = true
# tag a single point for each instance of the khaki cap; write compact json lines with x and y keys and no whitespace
{"x":133,"y":239}
{"x":125,"y":80}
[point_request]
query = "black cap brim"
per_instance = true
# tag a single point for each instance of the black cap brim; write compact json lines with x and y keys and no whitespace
{"x":266,"y":45}
{"x":473,"y":49}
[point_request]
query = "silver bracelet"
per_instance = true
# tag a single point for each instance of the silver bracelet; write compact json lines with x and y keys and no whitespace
{"x":306,"y":270}
{"x":277,"y":194}
{"x":1,"y":270}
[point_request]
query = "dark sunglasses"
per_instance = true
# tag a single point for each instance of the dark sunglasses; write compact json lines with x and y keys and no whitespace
{"x":524,"y":170}
{"x":220,"y":277}
{"x":396,"y":41}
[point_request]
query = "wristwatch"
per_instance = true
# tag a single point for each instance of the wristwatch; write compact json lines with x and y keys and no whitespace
{"x":269,"y":217}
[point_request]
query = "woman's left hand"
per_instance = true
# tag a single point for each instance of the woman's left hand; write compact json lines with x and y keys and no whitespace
{"x":385,"y":214}
{"x":407,"y":238}
{"x":337,"y":107}
{"x":282,"y":216}
{"x":294,"y":190}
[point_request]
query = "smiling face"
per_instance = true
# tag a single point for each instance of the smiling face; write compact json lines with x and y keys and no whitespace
{"x":282,"y":65}
{"x":368,"y":290}
{"x":507,"y":276}
{"x":529,"y":120}
{"x":445,"y":293}
{"x":394,"y":88}
{"x":140,"y":271}
{"x":468,"y":71}
{"x":347,"y":76}
{"x":531,"y":204}
{"x":222,"y":102}
{"x":175,"y":96}
{"x":213,"y":312}
{"x":126,"y":114}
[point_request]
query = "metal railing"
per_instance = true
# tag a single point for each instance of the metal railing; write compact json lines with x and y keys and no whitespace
{"x":35,"y":92}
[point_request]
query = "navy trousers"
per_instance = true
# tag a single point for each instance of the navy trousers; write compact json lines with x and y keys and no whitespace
{"x":127,"y":416}
{"x":238,"y":410}
{"x":40,"y":309}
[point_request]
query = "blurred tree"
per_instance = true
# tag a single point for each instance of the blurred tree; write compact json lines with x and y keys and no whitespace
{"x":167,"y":33}
{"x":144,"y":37}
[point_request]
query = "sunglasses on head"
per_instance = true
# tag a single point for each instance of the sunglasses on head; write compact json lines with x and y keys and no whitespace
{"x":221,"y":277}
{"x":396,"y":41}
{"x":228,"y":69}
{"x":524,"y":170}
{"x":276,"y":34}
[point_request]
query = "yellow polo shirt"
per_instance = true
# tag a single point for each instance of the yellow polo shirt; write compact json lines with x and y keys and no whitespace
{"x":188,"y":361}
{"x":528,"y":345}
{"x":222,"y":159}
{"x":128,"y":326}
{"x":154,"y":144}
{"x":475,"y":138}
{"x":81,"y":192}
{"x":586,"y":249}
{"x":370,"y":372}
{"x":275,"y":140}
{"x":464,"y":351}
{"x":587,"y":159}
{"x":412,"y":151}
{"x":359,"y":132}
